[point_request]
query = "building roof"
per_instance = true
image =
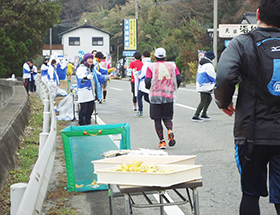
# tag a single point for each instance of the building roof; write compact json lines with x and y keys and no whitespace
{"x":85,"y":25}
{"x":249,"y":17}
{"x":54,"y":47}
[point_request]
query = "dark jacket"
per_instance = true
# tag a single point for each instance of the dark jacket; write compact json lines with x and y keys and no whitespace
{"x":238,"y":65}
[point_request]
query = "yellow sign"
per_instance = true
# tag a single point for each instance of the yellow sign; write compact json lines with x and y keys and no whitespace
{"x":130,"y":34}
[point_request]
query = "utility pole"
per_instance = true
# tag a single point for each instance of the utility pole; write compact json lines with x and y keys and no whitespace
{"x":118,"y":51}
{"x":215,"y":35}
{"x":136,"y":17}
{"x":136,"y":10}
{"x":50,"y":41}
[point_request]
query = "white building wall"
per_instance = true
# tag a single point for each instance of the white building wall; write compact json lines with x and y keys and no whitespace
{"x":47,"y":52}
{"x":86,"y":46}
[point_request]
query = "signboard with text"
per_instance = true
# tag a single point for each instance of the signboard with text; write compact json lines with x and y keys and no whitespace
{"x":130,"y":34}
{"x":232,"y":30}
{"x":128,"y":53}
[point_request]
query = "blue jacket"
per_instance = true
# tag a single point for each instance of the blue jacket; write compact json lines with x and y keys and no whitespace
{"x":206,"y":76}
{"x":26,"y":71}
{"x":90,"y":89}
{"x":44,"y":72}
{"x":33,"y":75}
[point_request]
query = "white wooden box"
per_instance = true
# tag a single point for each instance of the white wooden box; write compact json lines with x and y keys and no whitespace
{"x":179,"y":174}
{"x":163,"y":159}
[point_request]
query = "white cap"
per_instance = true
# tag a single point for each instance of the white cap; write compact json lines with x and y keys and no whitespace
{"x":160,"y":53}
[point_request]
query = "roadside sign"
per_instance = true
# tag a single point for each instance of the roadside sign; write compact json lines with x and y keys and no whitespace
{"x":128,"y":53}
{"x":130,"y":34}
{"x":232,"y":30}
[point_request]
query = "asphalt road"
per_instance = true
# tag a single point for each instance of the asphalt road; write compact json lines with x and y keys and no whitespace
{"x":211,"y":141}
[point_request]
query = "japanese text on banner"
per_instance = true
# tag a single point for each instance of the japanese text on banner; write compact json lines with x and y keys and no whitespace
{"x":130,"y":34}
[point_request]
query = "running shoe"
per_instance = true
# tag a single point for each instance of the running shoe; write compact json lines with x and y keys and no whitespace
{"x":205,"y":117}
{"x":171,"y":140}
{"x":197,"y":119}
{"x":139,"y":114}
{"x":162,"y":145}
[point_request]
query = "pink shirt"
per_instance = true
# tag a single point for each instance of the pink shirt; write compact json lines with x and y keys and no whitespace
{"x":149,"y":73}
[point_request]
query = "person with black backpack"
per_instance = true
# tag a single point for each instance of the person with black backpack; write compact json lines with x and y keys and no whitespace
{"x":252,"y":61}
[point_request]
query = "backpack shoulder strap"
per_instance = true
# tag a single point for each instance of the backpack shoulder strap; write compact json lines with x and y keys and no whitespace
{"x":251,"y":129}
{"x":253,"y":35}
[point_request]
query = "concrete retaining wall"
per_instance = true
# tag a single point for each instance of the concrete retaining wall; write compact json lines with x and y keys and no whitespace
{"x":14,"y":113}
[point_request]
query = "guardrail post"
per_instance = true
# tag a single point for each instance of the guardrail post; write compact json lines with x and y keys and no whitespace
{"x":46,"y":122}
{"x":46,"y":105}
{"x":43,"y":138}
{"x":46,"y":126}
{"x":16,"y":192}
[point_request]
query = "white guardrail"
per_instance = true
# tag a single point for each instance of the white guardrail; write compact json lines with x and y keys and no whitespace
{"x":28,"y":199}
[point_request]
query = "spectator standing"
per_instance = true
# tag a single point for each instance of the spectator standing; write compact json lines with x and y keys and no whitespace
{"x":142,"y":90}
{"x":86,"y":89}
{"x":205,"y":82}
{"x":44,"y":70}
{"x":61,"y":67}
{"x":162,"y":78}
{"x":257,"y":123}
{"x":100,"y":71}
{"x":33,"y":73}
{"x":70,"y":68}
{"x":26,"y":74}
{"x":53,"y":80}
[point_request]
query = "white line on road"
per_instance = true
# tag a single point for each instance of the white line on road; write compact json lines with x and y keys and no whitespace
{"x":174,"y":209}
{"x":121,"y":81}
{"x":185,"y":89}
{"x":184,"y":106}
{"x":99,"y":121}
{"x":118,"y":89}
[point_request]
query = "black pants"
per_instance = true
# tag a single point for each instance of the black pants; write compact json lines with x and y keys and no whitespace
{"x":26,"y":84}
{"x":134,"y":99}
{"x":205,"y":100}
{"x":32,"y":86}
{"x":86,"y":110}
{"x":139,"y":99}
{"x":159,"y":129}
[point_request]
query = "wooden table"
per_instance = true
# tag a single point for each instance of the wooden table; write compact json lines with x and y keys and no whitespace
{"x":143,"y":191}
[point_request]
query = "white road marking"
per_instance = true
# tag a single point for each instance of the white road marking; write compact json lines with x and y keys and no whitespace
{"x":99,"y":121}
{"x":185,"y":89}
{"x":120,"y":81}
{"x":174,"y":209}
{"x":184,"y":106}
{"x":114,"y":138}
{"x":114,"y":88}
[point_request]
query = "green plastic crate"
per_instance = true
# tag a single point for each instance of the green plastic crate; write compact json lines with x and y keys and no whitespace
{"x":81,"y":147}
